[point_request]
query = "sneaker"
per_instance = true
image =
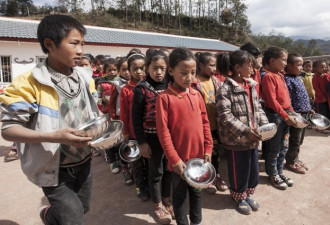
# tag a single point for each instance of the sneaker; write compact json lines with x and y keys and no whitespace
{"x":287,"y":180}
{"x":115,"y":167}
{"x":127,"y":177}
{"x":220,"y":184}
{"x":242,"y":207}
{"x":303,"y":164}
{"x":253,"y":203}
{"x":43,"y":214}
{"x":211,"y":189}
{"x":295,"y":167}
{"x":163,"y":216}
{"x":143,"y":194}
{"x":278,"y":182}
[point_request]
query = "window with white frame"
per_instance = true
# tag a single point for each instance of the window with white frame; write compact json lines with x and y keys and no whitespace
{"x":5,"y":69}
{"x":39,"y":59}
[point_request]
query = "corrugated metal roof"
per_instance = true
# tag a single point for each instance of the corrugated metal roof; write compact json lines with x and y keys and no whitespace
{"x":18,"y":28}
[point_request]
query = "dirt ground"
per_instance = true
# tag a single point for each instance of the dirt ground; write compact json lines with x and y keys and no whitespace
{"x":113,"y":203}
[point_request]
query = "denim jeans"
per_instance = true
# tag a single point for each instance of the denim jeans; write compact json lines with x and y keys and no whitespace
{"x":159,"y":175}
{"x":70,"y":199}
{"x":296,"y":139}
{"x":274,"y":149}
{"x":180,"y":188}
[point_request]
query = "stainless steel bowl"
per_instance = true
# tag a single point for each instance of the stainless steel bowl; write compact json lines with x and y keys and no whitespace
{"x":199,"y":174}
{"x":267,"y":131}
{"x":319,"y":121}
{"x":301,"y":122}
{"x":111,"y":137}
{"x":129,"y":152}
{"x":94,"y":128}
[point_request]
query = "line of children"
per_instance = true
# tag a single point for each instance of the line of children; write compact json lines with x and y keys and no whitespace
{"x":239,"y":115}
{"x":144,"y":121}
{"x":300,"y":104}
{"x":181,"y":118}
{"x":207,"y":85}
{"x":136,"y":67}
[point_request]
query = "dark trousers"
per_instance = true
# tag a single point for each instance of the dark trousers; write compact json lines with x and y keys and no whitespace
{"x":323,"y":109}
{"x":296,"y":139}
{"x":70,"y":199}
{"x":274,"y":149}
{"x":180,"y":188}
{"x":243,"y":169}
{"x":140,"y":172}
{"x":159,"y":175}
{"x":113,"y":154}
{"x":215,"y":151}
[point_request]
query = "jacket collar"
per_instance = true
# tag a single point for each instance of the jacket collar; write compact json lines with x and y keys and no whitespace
{"x":42,"y":75}
{"x":237,"y":87}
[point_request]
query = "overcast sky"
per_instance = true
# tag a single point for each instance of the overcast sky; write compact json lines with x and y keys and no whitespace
{"x":288,"y":17}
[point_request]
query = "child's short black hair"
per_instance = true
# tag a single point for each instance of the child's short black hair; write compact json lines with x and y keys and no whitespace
{"x":107,"y":62}
{"x":318,"y":62}
{"x":307,"y":62}
{"x":56,"y":28}
{"x":272,"y":52}
{"x":251,"y":48}
{"x":292,"y":58}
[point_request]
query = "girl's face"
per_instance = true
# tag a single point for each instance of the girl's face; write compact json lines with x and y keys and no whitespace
{"x":157,"y":70}
{"x":296,"y":67}
{"x":308,"y":67}
{"x":277,"y":65}
{"x":326,"y":68}
{"x":183,"y":74}
{"x":137,"y":69}
{"x":111,"y":71}
{"x":320,"y":68}
{"x":98,"y":65}
{"x":245,"y":70}
{"x":208,"y":69}
{"x":124,"y":72}
{"x":85,"y":63}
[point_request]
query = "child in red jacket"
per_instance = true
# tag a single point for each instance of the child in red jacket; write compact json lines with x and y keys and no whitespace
{"x":183,"y":130}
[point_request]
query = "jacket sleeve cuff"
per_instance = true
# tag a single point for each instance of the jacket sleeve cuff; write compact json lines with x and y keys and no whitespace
{"x":246,"y":131}
{"x":177,"y":163}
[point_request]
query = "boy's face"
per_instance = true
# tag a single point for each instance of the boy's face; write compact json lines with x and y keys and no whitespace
{"x":296,"y":67}
{"x":68,"y":54}
{"x":319,"y":68}
{"x":111,"y":71}
{"x":308,"y":67}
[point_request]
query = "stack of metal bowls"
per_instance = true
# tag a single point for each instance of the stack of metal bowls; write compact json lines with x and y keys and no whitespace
{"x":267,"y":131}
{"x":319,"y":121}
{"x":111,"y":137}
{"x":94,"y":128}
{"x":129,"y":152}
{"x":199,"y":174}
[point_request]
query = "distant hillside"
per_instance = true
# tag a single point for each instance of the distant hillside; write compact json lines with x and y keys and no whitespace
{"x":323,"y":45}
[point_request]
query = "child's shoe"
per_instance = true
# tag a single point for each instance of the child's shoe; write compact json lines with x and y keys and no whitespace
{"x":220,"y":183}
{"x":43,"y":214}
{"x":211,"y":189}
{"x":253,"y":204}
{"x":278,"y":182}
{"x":127,"y":177}
{"x":295,"y":167}
{"x":303,"y":164}
{"x":242,"y":207}
{"x":287,"y":180}
{"x":115,"y":167}
{"x":163,"y":216}
{"x":143,"y":193}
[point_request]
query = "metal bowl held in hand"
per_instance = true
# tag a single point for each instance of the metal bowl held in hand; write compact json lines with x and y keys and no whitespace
{"x":129,"y":152}
{"x":319,"y":121}
{"x":94,"y":128}
{"x":267,"y":131}
{"x":111,"y":137}
{"x":301,"y":122}
{"x":199,"y":174}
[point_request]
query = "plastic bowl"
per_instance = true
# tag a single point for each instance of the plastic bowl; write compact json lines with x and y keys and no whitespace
{"x":319,"y":121}
{"x":267,"y":131}
{"x":129,"y":152}
{"x":94,"y":128}
{"x":199,"y":174}
{"x":111,"y":137}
